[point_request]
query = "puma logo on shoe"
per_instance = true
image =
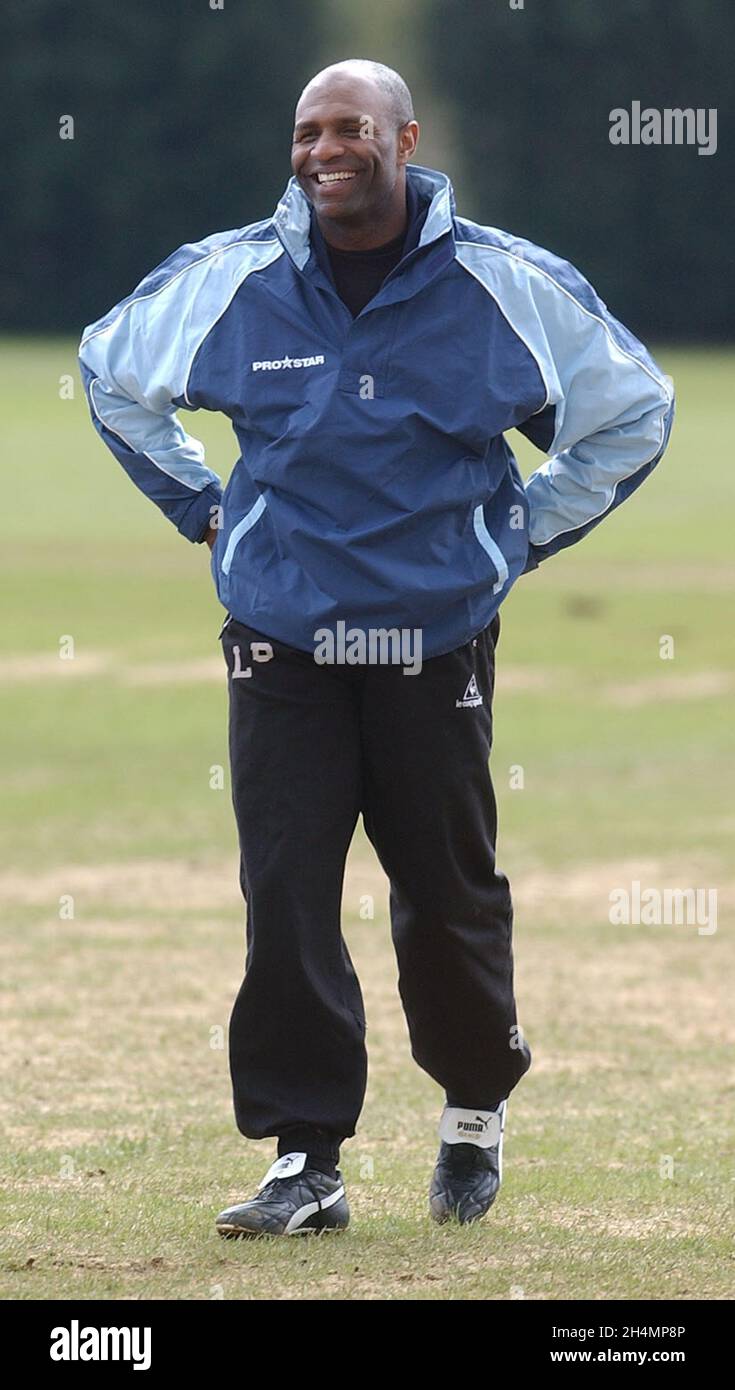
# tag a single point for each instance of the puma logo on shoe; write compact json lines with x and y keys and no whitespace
{"x":484,"y":1128}
{"x":285,"y":1167}
{"x":476,"y":1126}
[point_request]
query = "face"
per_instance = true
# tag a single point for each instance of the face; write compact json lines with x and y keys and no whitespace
{"x":347,"y":154}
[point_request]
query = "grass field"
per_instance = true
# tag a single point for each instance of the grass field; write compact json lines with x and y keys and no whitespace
{"x":118,"y":1141}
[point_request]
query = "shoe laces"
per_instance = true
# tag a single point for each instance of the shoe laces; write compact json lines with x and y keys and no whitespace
{"x":467,"y":1158}
{"x":280,"y":1185}
{"x":269,"y":1190}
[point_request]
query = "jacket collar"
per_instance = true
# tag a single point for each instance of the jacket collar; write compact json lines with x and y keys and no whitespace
{"x":292,"y":217}
{"x":417,"y":212}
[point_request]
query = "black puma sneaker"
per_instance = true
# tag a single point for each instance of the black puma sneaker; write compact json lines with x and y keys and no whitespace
{"x":292,"y":1200}
{"x":469,"y":1167}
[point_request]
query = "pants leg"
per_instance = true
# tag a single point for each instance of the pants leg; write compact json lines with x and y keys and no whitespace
{"x":297,"y":1031}
{"x":429,"y":809}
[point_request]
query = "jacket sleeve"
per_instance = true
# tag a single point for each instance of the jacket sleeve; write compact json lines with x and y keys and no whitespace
{"x":608,"y":412}
{"x":135,"y":364}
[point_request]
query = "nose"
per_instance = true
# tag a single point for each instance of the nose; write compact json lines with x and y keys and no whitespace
{"x":327,"y":147}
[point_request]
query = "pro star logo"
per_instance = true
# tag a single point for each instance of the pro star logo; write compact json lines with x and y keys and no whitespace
{"x":286,"y":363}
{"x":471,"y":697}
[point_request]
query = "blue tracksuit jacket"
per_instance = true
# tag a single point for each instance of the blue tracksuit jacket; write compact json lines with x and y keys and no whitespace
{"x":374,"y":485}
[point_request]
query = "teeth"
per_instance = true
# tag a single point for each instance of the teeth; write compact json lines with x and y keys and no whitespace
{"x":333,"y":178}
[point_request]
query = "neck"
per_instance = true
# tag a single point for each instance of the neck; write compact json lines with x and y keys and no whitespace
{"x":367,"y":234}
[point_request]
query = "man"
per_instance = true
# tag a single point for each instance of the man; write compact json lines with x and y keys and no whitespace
{"x":371,"y":348}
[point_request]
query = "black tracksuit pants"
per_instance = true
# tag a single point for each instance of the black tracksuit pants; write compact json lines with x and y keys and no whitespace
{"x":311,"y":747}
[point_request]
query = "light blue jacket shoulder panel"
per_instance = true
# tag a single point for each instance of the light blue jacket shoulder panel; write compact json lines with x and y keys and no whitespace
{"x":137,"y":358}
{"x":610,"y":404}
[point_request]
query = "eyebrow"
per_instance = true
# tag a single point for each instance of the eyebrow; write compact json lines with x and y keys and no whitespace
{"x":340,"y":120}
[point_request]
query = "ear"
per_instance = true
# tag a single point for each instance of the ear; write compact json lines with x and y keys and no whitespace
{"x":408,"y":139}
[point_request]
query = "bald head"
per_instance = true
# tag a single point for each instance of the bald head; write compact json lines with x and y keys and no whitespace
{"x":387,"y":80}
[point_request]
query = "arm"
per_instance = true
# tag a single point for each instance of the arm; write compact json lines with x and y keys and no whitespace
{"x":609,"y":408}
{"x":135,"y":364}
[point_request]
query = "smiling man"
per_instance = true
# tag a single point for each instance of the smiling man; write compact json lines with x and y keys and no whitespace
{"x":352,"y":164}
{"x":371,"y":348}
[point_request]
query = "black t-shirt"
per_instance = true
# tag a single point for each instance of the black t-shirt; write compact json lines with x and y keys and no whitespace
{"x":358,"y":275}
